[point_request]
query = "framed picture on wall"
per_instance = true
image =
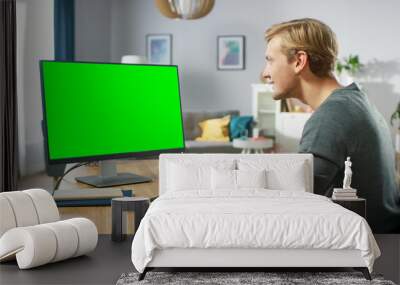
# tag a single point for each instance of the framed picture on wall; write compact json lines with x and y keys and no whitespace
{"x":159,"y":48}
{"x":231,"y":52}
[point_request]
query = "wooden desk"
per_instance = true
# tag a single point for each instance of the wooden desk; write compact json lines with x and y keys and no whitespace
{"x":101,"y":215}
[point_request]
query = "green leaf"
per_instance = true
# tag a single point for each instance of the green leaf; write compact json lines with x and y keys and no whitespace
{"x":396,"y":114}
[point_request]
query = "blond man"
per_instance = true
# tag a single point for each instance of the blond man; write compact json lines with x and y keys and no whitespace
{"x":300,"y":59}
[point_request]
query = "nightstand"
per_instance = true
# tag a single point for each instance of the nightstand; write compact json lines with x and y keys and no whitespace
{"x":357,"y":205}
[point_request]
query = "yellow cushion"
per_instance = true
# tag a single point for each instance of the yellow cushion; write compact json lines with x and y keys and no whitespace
{"x":215,"y":129}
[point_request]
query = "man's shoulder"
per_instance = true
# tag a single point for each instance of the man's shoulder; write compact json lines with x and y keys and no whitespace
{"x":343,"y":100}
{"x":342,"y":105}
{"x":341,"y":113}
{"x":327,"y":131}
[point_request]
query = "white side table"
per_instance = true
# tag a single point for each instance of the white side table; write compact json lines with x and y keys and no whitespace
{"x":250,"y":145}
{"x":139,"y":205}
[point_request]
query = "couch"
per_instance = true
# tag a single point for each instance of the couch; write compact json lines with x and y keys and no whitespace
{"x":192,"y":130}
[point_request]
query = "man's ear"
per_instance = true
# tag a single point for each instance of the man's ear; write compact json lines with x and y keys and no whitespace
{"x":300,"y":61}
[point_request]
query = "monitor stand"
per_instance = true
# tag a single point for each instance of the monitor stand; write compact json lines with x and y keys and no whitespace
{"x":109,"y":176}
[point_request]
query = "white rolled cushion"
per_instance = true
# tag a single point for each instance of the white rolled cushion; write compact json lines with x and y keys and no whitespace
{"x":188,"y":176}
{"x":46,"y":208}
{"x":7,"y":218}
{"x":23,"y":208}
{"x":37,"y":245}
{"x":251,"y":178}
{"x":223,"y":179}
{"x":87,"y":235}
{"x":67,"y":240}
{"x":281,"y":174}
{"x":33,"y":246}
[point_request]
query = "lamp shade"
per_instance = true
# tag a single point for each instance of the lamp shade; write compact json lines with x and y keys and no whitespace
{"x":133,"y":59}
{"x":185,"y":9}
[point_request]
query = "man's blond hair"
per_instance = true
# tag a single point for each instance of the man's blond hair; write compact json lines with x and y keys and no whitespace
{"x":311,"y":36}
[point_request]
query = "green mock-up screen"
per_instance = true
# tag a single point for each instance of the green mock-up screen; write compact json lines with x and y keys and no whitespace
{"x":103,"y":109}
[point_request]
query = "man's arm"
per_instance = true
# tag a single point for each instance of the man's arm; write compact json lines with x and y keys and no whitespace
{"x":325,"y":173}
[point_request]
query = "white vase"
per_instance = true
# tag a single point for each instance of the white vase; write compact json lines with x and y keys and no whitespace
{"x":256,"y":132}
{"x":397,"y":142}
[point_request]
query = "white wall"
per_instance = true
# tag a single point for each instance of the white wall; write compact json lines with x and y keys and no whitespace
{"x":366,"y":28}
{"x":106,"y":30}
{"x":34,"y":42}
{"x":194,"y":49}
{"x":92,"y":32}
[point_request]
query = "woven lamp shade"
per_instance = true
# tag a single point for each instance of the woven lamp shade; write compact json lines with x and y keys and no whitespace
{"x":185,"y":9}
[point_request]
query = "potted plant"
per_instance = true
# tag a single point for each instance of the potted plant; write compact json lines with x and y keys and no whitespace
{"x":347,"y":68}
{"x":396,"y":116}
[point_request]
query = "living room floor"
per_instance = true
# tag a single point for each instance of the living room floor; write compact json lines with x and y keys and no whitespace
{"x":102,"y":266}
{"x":110,"y":259}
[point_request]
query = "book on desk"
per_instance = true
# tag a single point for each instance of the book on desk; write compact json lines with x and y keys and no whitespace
{"x":89,"y":196}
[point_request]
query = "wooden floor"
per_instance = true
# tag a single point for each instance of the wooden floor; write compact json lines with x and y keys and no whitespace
{"x":100,"y":215}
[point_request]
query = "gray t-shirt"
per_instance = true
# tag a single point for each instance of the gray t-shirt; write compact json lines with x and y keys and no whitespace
{"x":347,"y":124}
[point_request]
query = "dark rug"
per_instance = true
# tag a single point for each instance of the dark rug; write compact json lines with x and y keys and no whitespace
{"x":228,"y":278}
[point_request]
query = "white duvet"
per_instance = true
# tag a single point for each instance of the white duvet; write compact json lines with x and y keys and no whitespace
{"x":250,"y":219}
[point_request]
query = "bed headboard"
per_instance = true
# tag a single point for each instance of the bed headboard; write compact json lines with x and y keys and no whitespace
{"x":210,"y":157}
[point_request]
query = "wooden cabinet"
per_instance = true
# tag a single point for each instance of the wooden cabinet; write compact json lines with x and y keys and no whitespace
{"x":357,"y":205}
{"x":288,"y":129}
{"x":285,"y":127}
{"x":264,"y":109}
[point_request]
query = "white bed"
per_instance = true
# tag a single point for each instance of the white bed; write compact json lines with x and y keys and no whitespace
{"x":215,"y":211}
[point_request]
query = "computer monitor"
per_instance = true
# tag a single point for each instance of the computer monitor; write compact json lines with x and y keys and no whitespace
{"x":103,"y":111}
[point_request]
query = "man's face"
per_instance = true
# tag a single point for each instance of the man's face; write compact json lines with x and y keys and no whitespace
{"x":279,"y":71}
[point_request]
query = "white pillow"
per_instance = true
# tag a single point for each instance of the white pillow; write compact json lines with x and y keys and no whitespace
{"x":293,"y":180}
{"x":281,"y":174}
{"x":223,"y":179}
{"x":251,"y":178}
{"x":227,"y":179}
{"x":188,"y":175}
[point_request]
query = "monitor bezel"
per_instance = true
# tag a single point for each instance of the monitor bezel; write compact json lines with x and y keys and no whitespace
{"x":136,"y":155}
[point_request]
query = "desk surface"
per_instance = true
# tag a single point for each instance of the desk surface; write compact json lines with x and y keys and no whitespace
{"x":141,"y":167}
{"x":100,"y":215}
